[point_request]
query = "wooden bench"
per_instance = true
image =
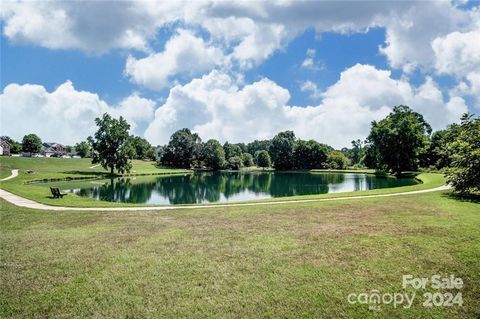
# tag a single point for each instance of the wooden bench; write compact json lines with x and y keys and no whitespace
{"x":56,"y":192}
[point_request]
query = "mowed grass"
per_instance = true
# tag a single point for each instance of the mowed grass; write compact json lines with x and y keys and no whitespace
{"x":64,"y":168}
{"x":49,"y":167}
{"x":288,"y":261}
{"x":59,"y":168}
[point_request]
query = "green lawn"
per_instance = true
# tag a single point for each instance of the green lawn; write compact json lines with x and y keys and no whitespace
{"x":59,"y":168}
{"x":289,"y":261}
{"x":64,"y":168}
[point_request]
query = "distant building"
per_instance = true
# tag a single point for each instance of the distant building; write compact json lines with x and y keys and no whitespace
{"x":53,"y":149}
{"x":4,"y":148}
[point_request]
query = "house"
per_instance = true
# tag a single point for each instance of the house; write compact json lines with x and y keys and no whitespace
{"x":53,"y":149}
{"x":4,"y":148}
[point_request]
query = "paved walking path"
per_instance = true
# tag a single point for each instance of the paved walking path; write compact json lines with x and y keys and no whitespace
{"x":96,"y":165}
{"x":23,"y":202}
{"x":14,"y":174}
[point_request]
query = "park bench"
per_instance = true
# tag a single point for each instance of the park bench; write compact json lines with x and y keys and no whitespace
{"x":56,"y":192}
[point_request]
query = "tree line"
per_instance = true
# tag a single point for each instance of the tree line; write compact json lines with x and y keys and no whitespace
{"x":284,"y":152}
{"x":135,"y":147}
{"x":403,"y":141}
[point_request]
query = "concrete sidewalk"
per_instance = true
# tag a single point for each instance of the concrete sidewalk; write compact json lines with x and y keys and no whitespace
{"x":27,"y":203}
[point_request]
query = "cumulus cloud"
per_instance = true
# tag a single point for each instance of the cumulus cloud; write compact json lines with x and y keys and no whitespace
{"x":310,"y":63}
{"x":457,"y":53}
{"x":242,"y":34}
{"x":250,"y":31}
{"x":90,"y":26}
{"x":312,"y":88}
{"x":216,"y":107}
{"x":184,"y":54}
{"x":409,"y":34}
{"x":65,"y":114}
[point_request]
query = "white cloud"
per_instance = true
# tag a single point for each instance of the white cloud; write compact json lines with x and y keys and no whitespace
{"x":469,"y":87}
{"x":64,"y":115}
{"x":90,"y":26}
{"x":215,"y":107}
{"x":309,"y":86}
{"x":184,"y":54}
{"x":259,"y":45}
{"x":136,"y":110}
{"x":458,"y":53}
{"x":310,"y":63}
{"x":250,"y":31}
{"x":409,"y":34}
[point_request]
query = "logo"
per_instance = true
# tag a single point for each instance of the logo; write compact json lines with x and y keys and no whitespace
{"x":446,"y":293}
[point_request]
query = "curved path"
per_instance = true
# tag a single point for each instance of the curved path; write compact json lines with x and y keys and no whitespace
{"x":14,"y":174}
{"x":23,"y":202}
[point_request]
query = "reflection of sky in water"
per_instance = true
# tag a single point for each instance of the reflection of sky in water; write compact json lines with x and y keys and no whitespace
{"x":352,"y":182}
{"x":226,"y":187}
{"x":159,"y":199}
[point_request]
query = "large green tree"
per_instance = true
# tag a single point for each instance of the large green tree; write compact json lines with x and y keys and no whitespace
{"x":337,"y":160}
{"x":356,"y":151}
{"x":214,"y":155}
{"x":437,"y":153}
{"x":143,"y":149}
{"x":31,"y":143}
{"x":255,"y":146}
{"x":262,"y":159}
{"x":182,"y":150}
{"x":399,"y":139}
{"x":235,"y":162}
{"x":84,"y":149}
{"x":281,"y":150}
{"x":464,"y":152}
{"x":232,"y":150}
{"x":247,"y":159}
{"x":110,"y":144}
{"x":310,"y":154}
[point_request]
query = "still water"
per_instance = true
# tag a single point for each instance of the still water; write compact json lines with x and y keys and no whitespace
{"x":209,"y":187}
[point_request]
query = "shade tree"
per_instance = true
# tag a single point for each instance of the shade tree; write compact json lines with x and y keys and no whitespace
{"x":399,"y":140}
{"x":262,"y":159}
{"x":232,"y":150}
{"x":310,"y":154}
{"x":464,"y":156}
{"x":31,"y":143}
{"x":281,"y":150}
{"x":247,"y":159}
{"x":183,"y":149}
{"x":214,"y":157}
{"x":235,"y":162}
{"x":83,"y":149}
{"x":337,"y":160}
{"x":110,"y":144}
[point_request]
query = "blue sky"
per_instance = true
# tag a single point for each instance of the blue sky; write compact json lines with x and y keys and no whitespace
{"x":235,"y":72}
{"x":104,"y":74}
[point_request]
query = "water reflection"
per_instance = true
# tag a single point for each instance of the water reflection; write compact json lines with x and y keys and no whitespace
{"x":224,"y":187}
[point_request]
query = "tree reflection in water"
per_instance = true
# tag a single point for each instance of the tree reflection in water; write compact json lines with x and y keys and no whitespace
{"x":221,"y":186}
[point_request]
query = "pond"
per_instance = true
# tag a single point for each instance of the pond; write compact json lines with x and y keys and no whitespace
{"x":210,"y":187}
